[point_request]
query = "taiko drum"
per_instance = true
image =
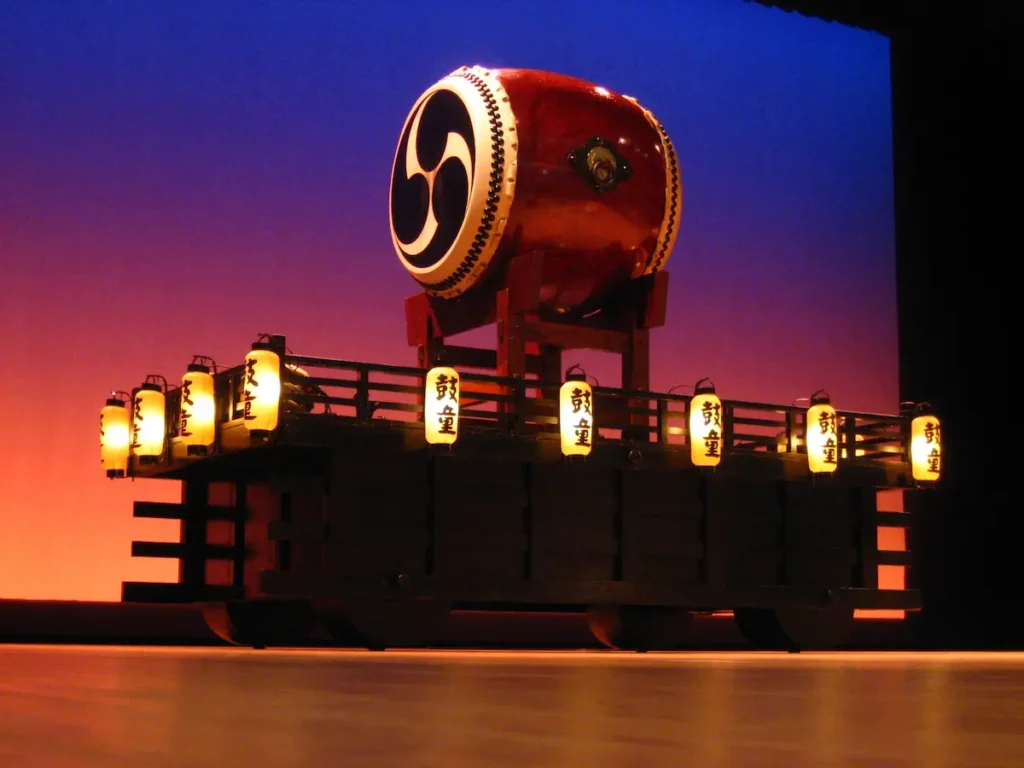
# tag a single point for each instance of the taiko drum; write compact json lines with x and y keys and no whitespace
{"x":493,"y":163}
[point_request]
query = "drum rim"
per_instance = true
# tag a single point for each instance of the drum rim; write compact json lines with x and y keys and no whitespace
{"x":669,"y":231}
{"x":490,"y":197}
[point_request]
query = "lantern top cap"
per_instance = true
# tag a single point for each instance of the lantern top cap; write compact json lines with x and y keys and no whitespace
{"x":150,"y":386}
{"x":270,"y":341}
{"x":923,"y":409}
{"x":115,"y":401}
{"x":201,"y":364}
{"x":575,"y":373}
{"x":704,"y":387}
{"x":821,"y":398}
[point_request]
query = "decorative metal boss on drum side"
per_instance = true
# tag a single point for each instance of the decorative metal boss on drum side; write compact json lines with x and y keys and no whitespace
{"x":492,"y":163}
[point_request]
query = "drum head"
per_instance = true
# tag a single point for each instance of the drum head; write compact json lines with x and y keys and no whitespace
{"x":453,"y":181}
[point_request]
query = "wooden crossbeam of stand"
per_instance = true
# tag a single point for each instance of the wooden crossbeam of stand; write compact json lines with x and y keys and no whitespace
{"x":193,"y":550}
{"x":530,"y":342}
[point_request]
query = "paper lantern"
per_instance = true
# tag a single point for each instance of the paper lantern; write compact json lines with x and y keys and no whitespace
{"x":821,"y":435}
{"x":576,"y":416}
{"x":261,"y":389}
{"x":114,"y":438}
{"x":196,"y":416}
{"x":441,"y":406}
{"x":705,"y":425}
{"x":149,"y":423}
{"x":925,"y":447}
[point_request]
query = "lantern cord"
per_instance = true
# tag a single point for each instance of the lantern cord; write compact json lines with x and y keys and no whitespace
{"x":207,"y":361}
{"x":701,"y":381}
{"x":820,"y":392}
{"x":680,"y":386}
{"x":574,"y":367}
{"x":266,"y":337}
{"x":155,"y":378}
{"x":801,"y":400}
{"x":917,"y":409}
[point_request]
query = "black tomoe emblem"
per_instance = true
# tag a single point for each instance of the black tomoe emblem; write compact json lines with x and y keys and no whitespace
{"x":432,"y":179}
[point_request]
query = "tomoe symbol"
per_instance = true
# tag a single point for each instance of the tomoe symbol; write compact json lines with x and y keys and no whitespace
{"x":432,"y":178}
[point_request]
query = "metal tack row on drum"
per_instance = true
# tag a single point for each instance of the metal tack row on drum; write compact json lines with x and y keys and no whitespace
{"x":498,"y":162}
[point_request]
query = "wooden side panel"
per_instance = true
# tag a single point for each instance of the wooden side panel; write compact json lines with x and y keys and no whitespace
{"x":302,"y":528}
{"x":821,"y":535}
{"x":573,"y":512}
{"x":262,"y":507}
{"x":479,"y":520}
{"x":745,"y":532}
{"x":662,"y":527}
{"x":220,"y":572}
{"x":378,"y":513}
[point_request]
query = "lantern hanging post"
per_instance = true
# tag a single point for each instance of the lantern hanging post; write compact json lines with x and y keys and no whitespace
{"x":441,"y":406}
{"x":821,"y":434}
{"x":705,"y":424}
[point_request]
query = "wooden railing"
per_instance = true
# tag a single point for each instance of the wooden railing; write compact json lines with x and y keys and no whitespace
{"x":489,"y":403}
{"x":391,"y":394}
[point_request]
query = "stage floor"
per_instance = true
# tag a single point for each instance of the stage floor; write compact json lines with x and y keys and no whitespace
{"x":236,"y":708}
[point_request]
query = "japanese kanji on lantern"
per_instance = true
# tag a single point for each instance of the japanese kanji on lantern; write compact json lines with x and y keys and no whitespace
{"x":114,"y":437}
{"x":441,"y":406}
{"x":261,"y":389}
{"x":705,"y":425}
{"x":822,"y":434}
{"x":925,"y":445}
{"x":149,"y":421}
{"x":196,"y":428}
{"x":576,"y":415}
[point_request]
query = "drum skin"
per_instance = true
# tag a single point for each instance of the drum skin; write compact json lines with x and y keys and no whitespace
{"x":496,"y":163}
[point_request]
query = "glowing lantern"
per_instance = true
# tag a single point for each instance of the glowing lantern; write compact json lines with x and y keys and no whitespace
{"x":261,"y":389}
{"x":822,"y":436}
{"x":705,"y":425}
{"x":196,"y":416}
{"x":441,"y":406}
{"x":925,"y":446}
{"x":576,"y":415}
{"x":114,"y":438}
{"x":149,"y":423}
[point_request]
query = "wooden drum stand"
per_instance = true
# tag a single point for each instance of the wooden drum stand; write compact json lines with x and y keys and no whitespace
{"x":531,"y":341}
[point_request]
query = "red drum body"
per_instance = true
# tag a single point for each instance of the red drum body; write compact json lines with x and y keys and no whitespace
{"x":495,"y":163}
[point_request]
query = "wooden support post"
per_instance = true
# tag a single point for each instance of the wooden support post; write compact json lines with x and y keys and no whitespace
{"x":422,"y":332}
{"x":636,"y":375}
{"x":192,"y":567}
{"x":239,"y":549}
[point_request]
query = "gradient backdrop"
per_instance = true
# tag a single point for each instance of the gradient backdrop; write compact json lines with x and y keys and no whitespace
{"x":177,"y":176}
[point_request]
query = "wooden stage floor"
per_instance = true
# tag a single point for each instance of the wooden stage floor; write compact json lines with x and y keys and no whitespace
{"x":237,"y":708}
